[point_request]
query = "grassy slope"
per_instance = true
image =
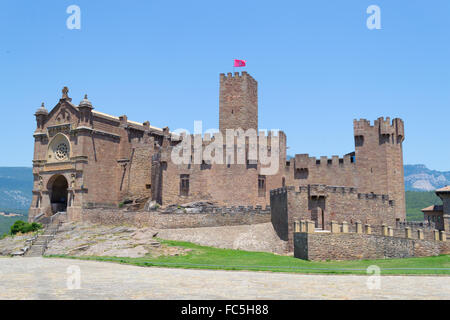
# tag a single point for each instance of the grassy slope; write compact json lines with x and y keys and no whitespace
{"x":202,"y":257}
{"x":416,"y":201}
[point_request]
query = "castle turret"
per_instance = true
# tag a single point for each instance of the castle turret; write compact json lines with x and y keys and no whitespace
{"x":41,"y":115}
{"x":379,"y":159}
{"x":85,"y":108}
{"x":238,"y":105}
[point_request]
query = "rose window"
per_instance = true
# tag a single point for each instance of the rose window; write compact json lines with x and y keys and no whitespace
{"x":62,"y":151}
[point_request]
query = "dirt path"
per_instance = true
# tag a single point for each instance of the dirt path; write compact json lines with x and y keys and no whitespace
{"x":43,"y":278}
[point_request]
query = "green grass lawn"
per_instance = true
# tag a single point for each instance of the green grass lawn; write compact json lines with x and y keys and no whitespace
{"x":202,"y":257}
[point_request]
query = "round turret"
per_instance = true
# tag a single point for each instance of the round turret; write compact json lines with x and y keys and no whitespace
{"x":42,"y":110}
{"x":86,"y":103}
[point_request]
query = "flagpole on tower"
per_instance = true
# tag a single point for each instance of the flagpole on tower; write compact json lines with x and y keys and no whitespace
{"x":239,"y":63}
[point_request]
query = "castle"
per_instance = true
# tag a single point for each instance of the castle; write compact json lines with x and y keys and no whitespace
{"x":86,"y":159}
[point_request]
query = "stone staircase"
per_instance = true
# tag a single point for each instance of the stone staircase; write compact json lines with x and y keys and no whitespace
{"x":39,"y":244}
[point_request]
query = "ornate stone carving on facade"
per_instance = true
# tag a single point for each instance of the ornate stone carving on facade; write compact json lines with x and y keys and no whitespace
{"x":72,"y":180}
{"x":62,"y":128}
{"x":63,"y":115}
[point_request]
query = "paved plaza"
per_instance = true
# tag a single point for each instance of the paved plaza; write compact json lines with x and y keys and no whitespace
{"x":44,"y":278}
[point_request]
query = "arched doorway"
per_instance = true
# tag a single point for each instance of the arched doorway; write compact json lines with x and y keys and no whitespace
{"x":317,"y":206}
{"x":58,"y":193}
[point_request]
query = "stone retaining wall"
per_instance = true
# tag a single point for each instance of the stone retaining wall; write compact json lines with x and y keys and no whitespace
{"x":174,"y":220}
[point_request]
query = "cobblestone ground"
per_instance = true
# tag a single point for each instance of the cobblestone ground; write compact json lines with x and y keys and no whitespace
{"x":42,"y":278}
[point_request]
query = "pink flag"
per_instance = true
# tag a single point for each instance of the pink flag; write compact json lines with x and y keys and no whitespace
{"x":239,"y":63}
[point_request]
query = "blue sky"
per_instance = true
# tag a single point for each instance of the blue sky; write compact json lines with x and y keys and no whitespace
{"x":317,"y":64}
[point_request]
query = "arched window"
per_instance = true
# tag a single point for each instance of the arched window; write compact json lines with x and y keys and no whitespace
{"x":58,"y":149}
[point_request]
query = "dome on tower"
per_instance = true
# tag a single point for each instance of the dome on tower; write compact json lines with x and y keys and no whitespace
{"x":42,"y":110}
{"x":85,"y":102}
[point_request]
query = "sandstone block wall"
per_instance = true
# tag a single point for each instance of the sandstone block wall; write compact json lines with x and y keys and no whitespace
{"x":379,"y":159}
{"x":376,"y":165}
{"x":352,"y":246}
{"x":304,"y":170}
{"x":175,"y":220}
{"x":238,"y":102}
{"x":337,"y":203}
{"x":235,"y":184}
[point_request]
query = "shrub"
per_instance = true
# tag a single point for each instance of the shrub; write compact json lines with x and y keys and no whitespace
{"x":25,"y":227}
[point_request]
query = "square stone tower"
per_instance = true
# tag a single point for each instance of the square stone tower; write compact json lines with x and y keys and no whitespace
{"x":379,"y":160}
{"x":238,"y":104}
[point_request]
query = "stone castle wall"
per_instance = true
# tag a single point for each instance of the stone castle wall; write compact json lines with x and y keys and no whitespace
{"x":379,"y":159}
{"x":353,"y":246}
{"x":218,"y":217}
{"x":238,"y":102}
{"x":376,"y":165}
{"x":336,"y":171}
{"x":228,"y":185}
{"x":337,"y":203}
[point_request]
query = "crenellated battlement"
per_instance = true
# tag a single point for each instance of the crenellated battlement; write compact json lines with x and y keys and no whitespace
{"x":323,"y":203}
{"x":238,"y":101}
{"x":236,"y":75}
{"x":364,"y":123}
{"x":379,"y":159}
{"x":322,"y":189}
{"x":218,"y":209}
{"x":351,"y":241}
{"x":305,"y":161}
{"x":384,"y":126}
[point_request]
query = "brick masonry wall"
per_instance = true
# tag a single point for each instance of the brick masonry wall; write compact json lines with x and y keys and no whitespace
{"x":174,"y":220}
{"x":352,"y":246}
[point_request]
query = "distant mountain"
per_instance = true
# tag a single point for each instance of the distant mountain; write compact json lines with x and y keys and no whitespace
{"x":16,"y":184}
{"x":419,"y":178}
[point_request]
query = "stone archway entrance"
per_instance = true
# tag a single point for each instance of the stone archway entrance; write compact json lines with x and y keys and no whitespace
{"x":58,"y":193}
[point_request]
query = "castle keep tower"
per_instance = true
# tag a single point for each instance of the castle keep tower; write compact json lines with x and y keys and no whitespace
{"x":238,"y":104}
{"x":379,"y":160}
